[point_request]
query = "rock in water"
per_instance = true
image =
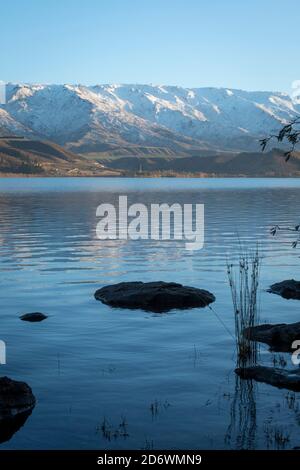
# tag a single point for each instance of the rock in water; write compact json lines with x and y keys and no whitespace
{"x":281,"y":378}
{"x":9,"y":426}
{"x":15,"y":397}
{"x":279,"y":337}
{"x":289,"y":289}
{"x":153,"y":296}
{"x":33,"y":317}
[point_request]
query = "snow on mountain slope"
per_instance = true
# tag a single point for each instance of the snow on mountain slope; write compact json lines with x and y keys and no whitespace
{"x":83,"y":119}
{"x":89,"y":118}
{"x":8,"y":125}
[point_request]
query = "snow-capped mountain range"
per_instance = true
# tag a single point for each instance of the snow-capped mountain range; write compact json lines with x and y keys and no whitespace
{"x":95,"y":118}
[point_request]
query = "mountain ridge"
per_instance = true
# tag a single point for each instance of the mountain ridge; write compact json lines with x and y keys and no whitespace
{"x":183,"y":121}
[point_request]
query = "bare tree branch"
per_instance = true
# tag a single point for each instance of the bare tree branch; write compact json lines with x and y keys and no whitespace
{"x":289,"y":133}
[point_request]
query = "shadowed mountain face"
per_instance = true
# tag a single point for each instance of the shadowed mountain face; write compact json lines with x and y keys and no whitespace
{"x":227,"y":164}
{"x":34,"y":157}
{"x":173,"y":120}
{"x":25,"y":156}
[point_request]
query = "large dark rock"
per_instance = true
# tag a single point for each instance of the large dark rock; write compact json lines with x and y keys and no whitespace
{"x":281,"y":378}
{"x":15,"y":397}
{"x":289,"y":289}
{"x":9,"y":426}
{"x":33,"y":317}
{"x":279,"y":337}
{"x":153,"y":296}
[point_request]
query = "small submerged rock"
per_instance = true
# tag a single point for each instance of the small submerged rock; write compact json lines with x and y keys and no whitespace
{"x":289,"y":289}
{"x":33,"y":317}
{"x":15,"y":397}
{"x":154,"y":296}
{"x":279,"y":336}
{"x":281,"y":378}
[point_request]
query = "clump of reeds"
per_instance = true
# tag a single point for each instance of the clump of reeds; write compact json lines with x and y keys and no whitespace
{"x":243,"y":281}
{"x":276,"y":437}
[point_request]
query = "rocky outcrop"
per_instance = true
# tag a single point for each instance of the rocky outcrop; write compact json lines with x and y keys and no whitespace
{"x":15,"y":397}
{"x":16,"y":404}
{"x":279,"y":337}
{"x":33,"y":317}
{"x":281,"y":378}
{"x":9,"y":426}
{"x":153,"y":296}
{"x":289,"y":289}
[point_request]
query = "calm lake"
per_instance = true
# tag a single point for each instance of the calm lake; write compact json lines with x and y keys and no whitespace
{"x":114,"y":378}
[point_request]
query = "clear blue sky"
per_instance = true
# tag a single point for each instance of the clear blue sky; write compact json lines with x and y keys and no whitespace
{"x":249,"y":44}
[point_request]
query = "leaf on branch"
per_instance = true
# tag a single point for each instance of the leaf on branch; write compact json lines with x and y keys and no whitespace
{"x":293,"y":138}
{"x":286,"y":130}
{"x":287,"y":155}
{"x":263,"y":143}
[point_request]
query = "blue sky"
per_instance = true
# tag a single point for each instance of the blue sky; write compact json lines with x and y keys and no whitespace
{"x":249,"y":44}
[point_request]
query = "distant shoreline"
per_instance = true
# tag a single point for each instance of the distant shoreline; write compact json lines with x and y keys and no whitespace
{"x":153,"y":176}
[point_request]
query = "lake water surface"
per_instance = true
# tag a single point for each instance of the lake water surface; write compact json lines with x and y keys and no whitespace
{"x":114,"y":379}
